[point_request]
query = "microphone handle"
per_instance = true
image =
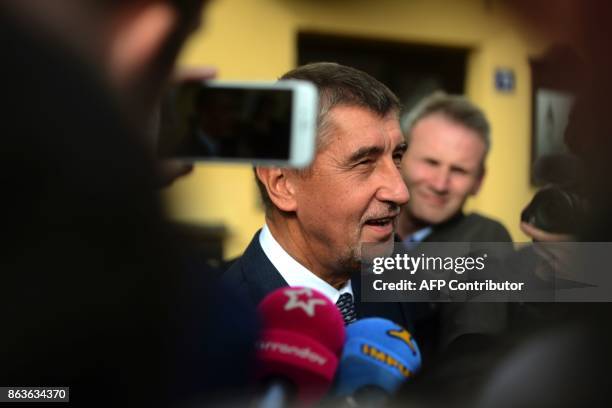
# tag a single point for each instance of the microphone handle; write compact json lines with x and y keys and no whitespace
{"x":278,"y":394}
{"x":368,"y":396}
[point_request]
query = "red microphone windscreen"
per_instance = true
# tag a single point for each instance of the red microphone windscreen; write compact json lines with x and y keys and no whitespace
{"x":301,"y":340}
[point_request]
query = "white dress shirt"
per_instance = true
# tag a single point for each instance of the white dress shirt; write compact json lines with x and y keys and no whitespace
{"x":293,"y":272}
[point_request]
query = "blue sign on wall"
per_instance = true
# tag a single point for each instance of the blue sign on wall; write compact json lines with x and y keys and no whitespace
{"x":504,"y":79}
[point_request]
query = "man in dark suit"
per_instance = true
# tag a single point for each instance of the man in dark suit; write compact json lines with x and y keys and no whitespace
{"x":317,"y":218}
{"x":448,"y":140}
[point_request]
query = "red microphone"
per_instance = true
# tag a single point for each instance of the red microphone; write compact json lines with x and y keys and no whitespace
{"x":301,"y":342}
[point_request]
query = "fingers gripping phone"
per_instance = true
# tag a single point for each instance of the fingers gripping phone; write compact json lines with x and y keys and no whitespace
{"x":270,"y":123}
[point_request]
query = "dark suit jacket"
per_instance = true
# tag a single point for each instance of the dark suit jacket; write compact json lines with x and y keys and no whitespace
{"x":469,"y":228}
{"x":474,"y":319}
{"x":253,"y":276}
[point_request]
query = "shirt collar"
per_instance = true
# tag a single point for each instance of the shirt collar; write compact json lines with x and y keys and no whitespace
{"x":419,"y":236}
{"x":293,"y":272}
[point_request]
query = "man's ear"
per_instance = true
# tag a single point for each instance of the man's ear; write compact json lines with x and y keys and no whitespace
{"x":476,"y":187}
{"x":137,"y":34}
{"x":279,"y":187}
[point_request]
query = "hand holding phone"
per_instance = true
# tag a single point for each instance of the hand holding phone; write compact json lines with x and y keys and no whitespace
{"x":171,"y":169}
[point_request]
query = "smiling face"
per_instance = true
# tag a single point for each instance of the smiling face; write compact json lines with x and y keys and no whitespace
{"x":442,"y":168}
{"x":353,"y":191}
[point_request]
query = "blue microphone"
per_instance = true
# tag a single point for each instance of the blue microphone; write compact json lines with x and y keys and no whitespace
{"x":378,"y":357}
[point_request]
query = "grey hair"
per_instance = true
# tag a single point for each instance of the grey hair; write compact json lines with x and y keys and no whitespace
{"x":453,"y":107}
{"x":338,"y":85}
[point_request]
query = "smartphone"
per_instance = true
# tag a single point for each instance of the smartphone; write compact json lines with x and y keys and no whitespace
{"x":269,"y":123}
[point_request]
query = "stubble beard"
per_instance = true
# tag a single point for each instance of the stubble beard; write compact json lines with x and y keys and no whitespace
{"x":349,"y":262}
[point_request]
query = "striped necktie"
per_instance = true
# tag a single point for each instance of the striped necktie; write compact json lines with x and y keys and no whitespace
{"x":347,"y":308}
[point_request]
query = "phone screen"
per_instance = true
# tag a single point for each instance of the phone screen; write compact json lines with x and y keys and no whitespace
{"x":216,"y":122}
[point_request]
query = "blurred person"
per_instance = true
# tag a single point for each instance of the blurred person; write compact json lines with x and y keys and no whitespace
{"x":132,"y":44}
{"x":448,"y":140}
{"x":318,"y":218}
{"x":94,"y":291}
{"x":582,"y":330}
{"x":583,"y":26}
{"x":540,"y":367}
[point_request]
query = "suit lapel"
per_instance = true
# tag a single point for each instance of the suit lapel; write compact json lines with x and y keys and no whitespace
{"x":399,"y":313}
{"x":259,"y":273}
